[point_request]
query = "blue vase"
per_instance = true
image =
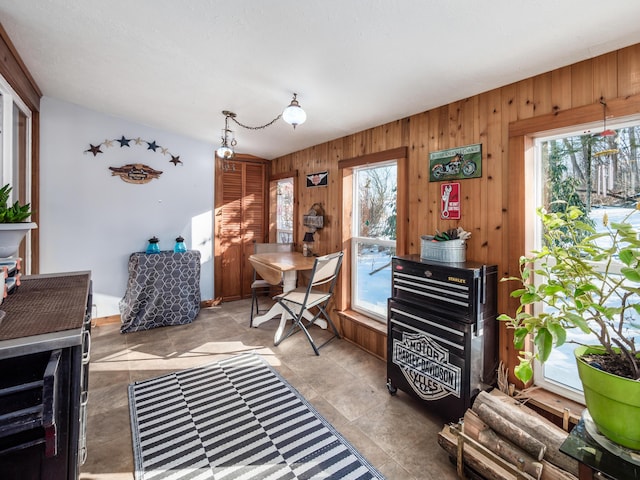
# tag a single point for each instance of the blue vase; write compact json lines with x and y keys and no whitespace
{"x":180,"y":247}
{"x":153,"y":246}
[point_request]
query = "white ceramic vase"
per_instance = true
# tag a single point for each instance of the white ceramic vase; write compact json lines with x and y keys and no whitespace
{"x":11,"y":234}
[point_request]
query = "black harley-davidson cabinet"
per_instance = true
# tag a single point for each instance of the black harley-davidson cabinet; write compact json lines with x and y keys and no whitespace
{"x":442,"y":332}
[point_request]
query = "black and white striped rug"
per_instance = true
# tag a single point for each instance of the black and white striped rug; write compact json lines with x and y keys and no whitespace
{"x":235,"y":419}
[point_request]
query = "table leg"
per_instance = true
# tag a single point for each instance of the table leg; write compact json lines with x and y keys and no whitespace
{"x":288,"y":283}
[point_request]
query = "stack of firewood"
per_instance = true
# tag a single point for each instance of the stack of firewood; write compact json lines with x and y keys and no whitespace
{"x":502,"y":439}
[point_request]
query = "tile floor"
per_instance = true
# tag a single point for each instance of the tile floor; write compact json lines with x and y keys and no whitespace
{"x":345,"y":384}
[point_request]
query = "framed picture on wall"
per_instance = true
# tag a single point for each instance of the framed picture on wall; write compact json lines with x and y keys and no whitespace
{"x":456,"y":163}
{"x":319,"y":179}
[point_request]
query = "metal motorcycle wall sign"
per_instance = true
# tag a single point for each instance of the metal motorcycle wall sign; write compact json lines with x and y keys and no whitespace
{"x":458,"y":163}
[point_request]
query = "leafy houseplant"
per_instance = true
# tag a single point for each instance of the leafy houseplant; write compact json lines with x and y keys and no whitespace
{"x":13,"y":227}
{"x":584,"y":280}
{"x":14,"y":213}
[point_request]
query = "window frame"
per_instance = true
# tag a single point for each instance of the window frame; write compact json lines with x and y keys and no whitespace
{"x":519,"y":191}
{"x":17,"y":160}
{"x":357,"y":239}
{"x":398,"y":154}
{"x":535,"y":179}
{"x":273,"y":205}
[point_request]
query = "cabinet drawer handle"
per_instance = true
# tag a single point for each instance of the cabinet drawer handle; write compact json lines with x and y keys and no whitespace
{"x":86,"y":355}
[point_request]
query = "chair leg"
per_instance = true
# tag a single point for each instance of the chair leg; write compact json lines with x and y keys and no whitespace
{"x":254,"y":306}
{"x":298,"y":321}
{"x":325,"y":314}
{"x":313,"y":345}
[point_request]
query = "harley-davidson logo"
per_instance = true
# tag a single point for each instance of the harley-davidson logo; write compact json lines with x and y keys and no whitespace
{"x":135,"y":173}
{"x":425,"y":365}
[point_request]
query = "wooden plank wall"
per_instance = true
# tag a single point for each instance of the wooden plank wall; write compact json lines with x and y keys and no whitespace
{"x":492,"y":206}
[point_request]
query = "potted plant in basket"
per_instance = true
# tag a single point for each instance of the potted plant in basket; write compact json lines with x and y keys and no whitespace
{"x":589,"y":281}
{"x":13,"y":226}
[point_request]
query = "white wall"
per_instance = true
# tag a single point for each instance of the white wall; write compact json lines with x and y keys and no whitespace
{"x":91,"y":220}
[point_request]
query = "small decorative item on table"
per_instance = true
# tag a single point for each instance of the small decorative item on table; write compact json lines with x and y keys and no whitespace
{"x":153,"y":246}
{"x":180,"y":247}
{"x":307,"y":244}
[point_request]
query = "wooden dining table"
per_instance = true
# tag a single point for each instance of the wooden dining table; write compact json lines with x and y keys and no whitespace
{"x":275,"y":267}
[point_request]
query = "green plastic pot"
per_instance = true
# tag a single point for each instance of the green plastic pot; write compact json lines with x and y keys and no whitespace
{"x":613,"y":402}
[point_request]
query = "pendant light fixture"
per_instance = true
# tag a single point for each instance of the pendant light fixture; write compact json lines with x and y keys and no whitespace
{"x":225,"y":151}
{"x":293,"y":114}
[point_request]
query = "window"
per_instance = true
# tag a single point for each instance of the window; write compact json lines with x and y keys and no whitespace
{"x":373,"y":241}
{"x":598,"y":171}
{"x":284,"y":210}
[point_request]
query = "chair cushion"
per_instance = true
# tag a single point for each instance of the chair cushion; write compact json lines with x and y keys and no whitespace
{"x":261,"y":284}
{"x":297,"y":297}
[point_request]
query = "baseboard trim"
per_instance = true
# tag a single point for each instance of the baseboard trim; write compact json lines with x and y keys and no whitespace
{"x":110,"y":320}
{"x":364,"y":332}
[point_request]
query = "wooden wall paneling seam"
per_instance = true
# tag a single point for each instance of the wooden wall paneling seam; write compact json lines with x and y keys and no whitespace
{"x":605,"y":77}
{"x":542,"y":98}
{"x":524,"y":98}
{"x":560,"y":90}
{"x":402,"y":205}
{"x":418,"y":169}
{"x":490,"y":118}
{"x":582,"y":83}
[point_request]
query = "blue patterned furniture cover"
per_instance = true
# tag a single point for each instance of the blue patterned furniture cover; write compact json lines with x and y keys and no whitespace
{"x":163,"y":289}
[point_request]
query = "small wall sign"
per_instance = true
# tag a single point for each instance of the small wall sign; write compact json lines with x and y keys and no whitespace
{"x":450,"y":201}
{"x":317,"y":179}
{"x":456,"y":163}
{"x":135,"y":173}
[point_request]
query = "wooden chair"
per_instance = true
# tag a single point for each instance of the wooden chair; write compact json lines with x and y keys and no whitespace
{"x":297,"y":302}
{"x":260,"y":286}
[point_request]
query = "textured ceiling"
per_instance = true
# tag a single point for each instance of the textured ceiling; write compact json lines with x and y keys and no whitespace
{"x":355,"y":64}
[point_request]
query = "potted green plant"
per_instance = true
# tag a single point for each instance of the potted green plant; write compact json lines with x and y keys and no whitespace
{"x":13,"y":226}
{"x":589,"y":281}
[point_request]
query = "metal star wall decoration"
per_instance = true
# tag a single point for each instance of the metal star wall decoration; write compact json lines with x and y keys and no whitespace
{"x":95,"y":149}
{"x":126,"y":142}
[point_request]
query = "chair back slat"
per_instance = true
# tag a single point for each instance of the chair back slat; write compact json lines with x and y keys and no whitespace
{"x":326,"y":269}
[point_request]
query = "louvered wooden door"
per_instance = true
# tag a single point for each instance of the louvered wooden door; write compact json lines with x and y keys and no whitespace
{"x":240,"y":221}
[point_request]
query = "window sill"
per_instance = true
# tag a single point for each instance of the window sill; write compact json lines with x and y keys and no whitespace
{"x":365,"y":332}
{"x":365,"y":321}
{"x":560,"y":410}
